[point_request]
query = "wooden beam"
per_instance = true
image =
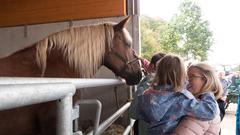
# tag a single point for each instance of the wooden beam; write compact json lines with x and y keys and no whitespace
{"x":22,"y":12}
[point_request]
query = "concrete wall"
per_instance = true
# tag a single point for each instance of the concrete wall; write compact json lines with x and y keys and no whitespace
{"x":16,"y":38}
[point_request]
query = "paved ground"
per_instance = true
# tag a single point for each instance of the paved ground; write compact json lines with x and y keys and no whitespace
{"x":228,"y":125}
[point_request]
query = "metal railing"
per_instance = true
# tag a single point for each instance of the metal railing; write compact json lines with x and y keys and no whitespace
{"x":18,"y":95}
{"x":104,"y":125}
{"x":78,"y":83}
{"x":97,"y":117}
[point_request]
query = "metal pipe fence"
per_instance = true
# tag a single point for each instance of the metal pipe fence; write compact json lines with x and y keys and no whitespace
{"x":18,"y":95}
{"x":78,"y":82}
{"x":129,"y":127}
{"x":104,"y":125}
{"x":37,"y":86}
{"x":98,"y":113}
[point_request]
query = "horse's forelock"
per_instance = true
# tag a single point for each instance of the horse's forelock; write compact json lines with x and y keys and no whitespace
{"x":83,"y":47}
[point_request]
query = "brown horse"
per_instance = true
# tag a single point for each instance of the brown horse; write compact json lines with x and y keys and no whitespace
{"x":75,"y":52}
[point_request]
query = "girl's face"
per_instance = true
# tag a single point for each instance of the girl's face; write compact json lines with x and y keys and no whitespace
{"x":196,"y":80}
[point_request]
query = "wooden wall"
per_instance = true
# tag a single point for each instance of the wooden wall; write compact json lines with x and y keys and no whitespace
{"x":25,"y":12}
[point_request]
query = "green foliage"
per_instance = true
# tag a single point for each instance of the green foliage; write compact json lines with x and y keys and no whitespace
{"x":151,"y":30}
{"x":169,"y":39}
{"x":195,"y":37}
{"x":186,"y":34}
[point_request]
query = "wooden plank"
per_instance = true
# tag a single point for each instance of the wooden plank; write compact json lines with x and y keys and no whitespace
{"x":22,"y":12}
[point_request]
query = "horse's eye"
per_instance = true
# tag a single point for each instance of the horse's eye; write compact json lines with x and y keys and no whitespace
{"x":128,"y":43}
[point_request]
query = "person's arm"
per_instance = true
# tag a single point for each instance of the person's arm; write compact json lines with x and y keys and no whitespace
{"x":142,"y":86}
{"x":133,"y":109}
{"x":203,"y":109}
{"x":225,"y":89}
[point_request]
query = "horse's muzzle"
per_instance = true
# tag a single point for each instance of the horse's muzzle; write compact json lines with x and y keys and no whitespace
{"x":133,"y":79}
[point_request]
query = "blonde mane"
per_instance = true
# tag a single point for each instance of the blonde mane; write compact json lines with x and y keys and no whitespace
{"x":82,"y":47}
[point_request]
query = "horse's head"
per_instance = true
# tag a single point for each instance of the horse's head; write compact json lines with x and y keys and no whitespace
{"x":120,"y":57}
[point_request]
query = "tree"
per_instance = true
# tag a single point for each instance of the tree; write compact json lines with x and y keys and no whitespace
{"x":195,"y":38}
{"x":151,"y":30}
{"x":169,"y":40}
{"x":186,"y":34}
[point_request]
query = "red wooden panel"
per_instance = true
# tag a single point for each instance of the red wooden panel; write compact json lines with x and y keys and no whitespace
{"x":20,"y":12}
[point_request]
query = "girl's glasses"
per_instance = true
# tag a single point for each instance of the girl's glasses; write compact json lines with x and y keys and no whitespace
{"x":195,"y":76}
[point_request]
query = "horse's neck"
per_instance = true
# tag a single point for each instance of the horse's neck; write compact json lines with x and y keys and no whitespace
{"x":57,"y":66}
{"x":23,"y":64}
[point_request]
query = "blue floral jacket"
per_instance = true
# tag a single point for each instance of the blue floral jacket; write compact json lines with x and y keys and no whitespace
{"x":162,"y":109}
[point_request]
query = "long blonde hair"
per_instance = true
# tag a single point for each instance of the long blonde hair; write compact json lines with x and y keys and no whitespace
{"x":83,"y":47}
{"x":171,"y":71}
{"x":212,"y":82}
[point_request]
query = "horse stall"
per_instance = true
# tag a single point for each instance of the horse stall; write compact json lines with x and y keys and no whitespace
{"x":99,"y":102}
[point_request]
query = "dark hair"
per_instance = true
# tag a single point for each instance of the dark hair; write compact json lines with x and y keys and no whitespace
{"x":155,"y":58}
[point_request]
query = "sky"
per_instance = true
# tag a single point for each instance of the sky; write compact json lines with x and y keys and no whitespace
{"x":224,"y":22}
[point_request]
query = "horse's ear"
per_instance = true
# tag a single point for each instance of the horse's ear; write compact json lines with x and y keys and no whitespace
{"x":122,"y":24}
